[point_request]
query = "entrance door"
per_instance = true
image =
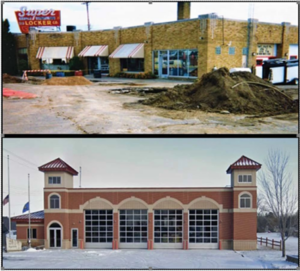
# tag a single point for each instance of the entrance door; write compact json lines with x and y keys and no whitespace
{"x":203,"y":229}
{"x":74,"y":237}
{"x":55,"y":235}
{"x":163,"y":64}
{"x":133,"y":228}
{"x":168,"y":229}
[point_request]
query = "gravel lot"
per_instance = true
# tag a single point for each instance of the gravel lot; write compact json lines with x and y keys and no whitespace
{"x":93,"y":110}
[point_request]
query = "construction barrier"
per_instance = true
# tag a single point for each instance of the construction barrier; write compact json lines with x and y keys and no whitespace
{"x":24,"y":77}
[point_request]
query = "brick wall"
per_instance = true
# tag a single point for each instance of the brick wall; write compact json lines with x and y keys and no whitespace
{"x":191,"y":34}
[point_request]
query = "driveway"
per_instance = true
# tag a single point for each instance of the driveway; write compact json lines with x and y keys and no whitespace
{"x":135,"y":259}
{"x":93,"y":110}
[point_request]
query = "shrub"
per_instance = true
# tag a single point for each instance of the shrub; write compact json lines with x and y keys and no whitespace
{"x":76,"y":63}
{"x":147,"y":75}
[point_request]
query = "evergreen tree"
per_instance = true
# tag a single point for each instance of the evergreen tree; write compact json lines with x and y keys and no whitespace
{"x":9,"y":60}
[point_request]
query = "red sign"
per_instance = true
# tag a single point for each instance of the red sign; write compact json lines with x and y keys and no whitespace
{"x":37,"y":18}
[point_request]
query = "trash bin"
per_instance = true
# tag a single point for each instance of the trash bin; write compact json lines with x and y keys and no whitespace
{"x":78,"y":73}
{"x":97,"y":73}
{"x":48,"y":75}
{"x":60,"y":74}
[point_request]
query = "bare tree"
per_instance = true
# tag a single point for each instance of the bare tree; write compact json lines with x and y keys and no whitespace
{"x":279,"y":196}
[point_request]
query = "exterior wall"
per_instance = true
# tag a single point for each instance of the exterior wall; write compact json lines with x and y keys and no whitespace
{"x":190,"y":34}
{"x":66,"y":179}
{"x":233,"y":222}
{"x":236,"y":174}
{"x":22,"y":234}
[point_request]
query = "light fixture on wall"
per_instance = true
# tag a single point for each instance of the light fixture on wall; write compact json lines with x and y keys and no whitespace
{"x":286,"y":54}
{"x":253,"y":54}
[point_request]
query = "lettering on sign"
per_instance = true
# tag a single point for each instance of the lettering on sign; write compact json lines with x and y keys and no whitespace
{"x":265,"y":49}
{"x":36,"y":18}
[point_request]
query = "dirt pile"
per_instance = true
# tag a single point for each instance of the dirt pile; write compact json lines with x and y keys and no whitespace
{"x":10,"y":79}
{"x":239,"y":92}
{"x":67,"y":81}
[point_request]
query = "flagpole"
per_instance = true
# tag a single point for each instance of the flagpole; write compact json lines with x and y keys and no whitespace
{"x":9,"y":223}
{"x":29,"y":210}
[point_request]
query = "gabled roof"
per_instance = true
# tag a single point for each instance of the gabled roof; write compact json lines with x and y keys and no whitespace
{"x":58,"y":165}
{"x":244,"y":163}
{"x":36,"y":216}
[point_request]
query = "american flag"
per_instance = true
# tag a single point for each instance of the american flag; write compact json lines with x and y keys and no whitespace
{"x":6,"y":200}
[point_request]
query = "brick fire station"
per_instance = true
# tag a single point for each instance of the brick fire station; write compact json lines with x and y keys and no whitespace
{"x":186,"y":48}
{"x":144,"y":218}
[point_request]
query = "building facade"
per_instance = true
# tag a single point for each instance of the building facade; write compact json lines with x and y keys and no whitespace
{"x":145,"y":218}
{"x":186,"y":48}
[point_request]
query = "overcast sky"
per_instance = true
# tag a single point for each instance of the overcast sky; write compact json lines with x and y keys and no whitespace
{"x":105,"y":15}
{"x":134,"y":162}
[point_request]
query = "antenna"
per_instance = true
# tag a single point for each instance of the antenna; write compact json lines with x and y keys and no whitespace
{"x":79,"y":176}
{"x":88,"y":16}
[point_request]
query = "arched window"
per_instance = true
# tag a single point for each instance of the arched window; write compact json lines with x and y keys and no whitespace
{"x":245,"y":201}
{"x":55,"y":225}
{"x":54,"y":202}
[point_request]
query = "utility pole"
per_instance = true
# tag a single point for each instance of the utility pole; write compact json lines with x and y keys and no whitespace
{"x":9,"y":199}
{"x":29,"y":237}
{"x":87,"y":12}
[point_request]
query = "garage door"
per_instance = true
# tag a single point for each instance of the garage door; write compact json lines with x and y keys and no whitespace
{"x":168,"y":229}
{"x":203,"y":229}
{"x":98,"y":228}
{"x":133,"y":228}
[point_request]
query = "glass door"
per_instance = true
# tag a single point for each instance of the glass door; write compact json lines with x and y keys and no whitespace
{"x":55,"y":238}
{"x":163,"y":64}
{"x":74,"y":237}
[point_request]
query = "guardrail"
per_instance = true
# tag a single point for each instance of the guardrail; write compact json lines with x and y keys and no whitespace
{"x":269,"y":242}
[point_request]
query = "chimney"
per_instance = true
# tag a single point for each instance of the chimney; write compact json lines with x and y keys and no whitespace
{"x":183,"y":10}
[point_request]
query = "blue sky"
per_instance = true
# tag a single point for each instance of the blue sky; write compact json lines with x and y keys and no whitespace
{"x":105,"y":15}
{"x":135,"y":162}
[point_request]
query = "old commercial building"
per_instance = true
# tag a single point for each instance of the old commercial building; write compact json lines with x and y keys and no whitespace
{"x":183,"y":48}
{"x":145,"y":218}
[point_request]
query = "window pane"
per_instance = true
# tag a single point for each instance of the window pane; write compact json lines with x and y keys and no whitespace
{"x":249,"y":178}
{"x":240,"y":178}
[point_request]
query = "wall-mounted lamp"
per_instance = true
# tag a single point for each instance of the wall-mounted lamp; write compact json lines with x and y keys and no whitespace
{"x":286,"y":54}
{"x":253,"y":54}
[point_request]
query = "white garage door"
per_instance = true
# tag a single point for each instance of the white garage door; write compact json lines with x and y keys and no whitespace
{"x":203,"y":229}
{"x":133,"y":228}
{"x":168,"y":229}
{"x":98,"y":228}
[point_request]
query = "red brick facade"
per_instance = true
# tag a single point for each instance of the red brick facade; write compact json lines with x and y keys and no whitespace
{"x":236,"y":223}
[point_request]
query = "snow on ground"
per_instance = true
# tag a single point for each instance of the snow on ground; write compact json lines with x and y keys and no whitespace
{"x":263,"y":258}
{"x":272,"y":258}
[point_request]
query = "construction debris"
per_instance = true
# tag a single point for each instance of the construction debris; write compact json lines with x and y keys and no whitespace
{"x":67,"y":81}
{"x":221,"y":91}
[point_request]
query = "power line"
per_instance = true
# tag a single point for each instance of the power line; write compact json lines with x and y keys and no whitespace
{"x":23,"y":164}
{"x":21,"y":158}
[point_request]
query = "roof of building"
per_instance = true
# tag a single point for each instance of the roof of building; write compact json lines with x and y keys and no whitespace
{"x":244,"y":163}
{"x":39,"y":215}
{"x":58,"y":165}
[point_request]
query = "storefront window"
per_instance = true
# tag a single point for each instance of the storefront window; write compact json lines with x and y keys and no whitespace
{"x":155,"y":61}
{"x":193,"y":63}
{"x":132,"y":64}
{"x":173,"y":63}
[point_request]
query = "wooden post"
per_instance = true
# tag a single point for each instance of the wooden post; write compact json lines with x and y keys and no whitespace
{"x":260,"y":240}
{"x":273,"y":243}
{"x":267,"y":241}
{"x":280,"y":245}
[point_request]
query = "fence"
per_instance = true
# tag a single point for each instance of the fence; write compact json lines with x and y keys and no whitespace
{"x":269,"y":242}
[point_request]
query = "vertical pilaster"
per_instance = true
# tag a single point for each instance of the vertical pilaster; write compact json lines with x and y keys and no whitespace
{"x":116,"y":231}
{"x":283,"y":48}
{"x":185,"y":230}
{"x":150,"y":230}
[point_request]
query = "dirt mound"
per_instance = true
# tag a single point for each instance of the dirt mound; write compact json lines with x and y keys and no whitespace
{"x":67,"y":81}
{"x":239,"y":92}
{"x":10,"y":79}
